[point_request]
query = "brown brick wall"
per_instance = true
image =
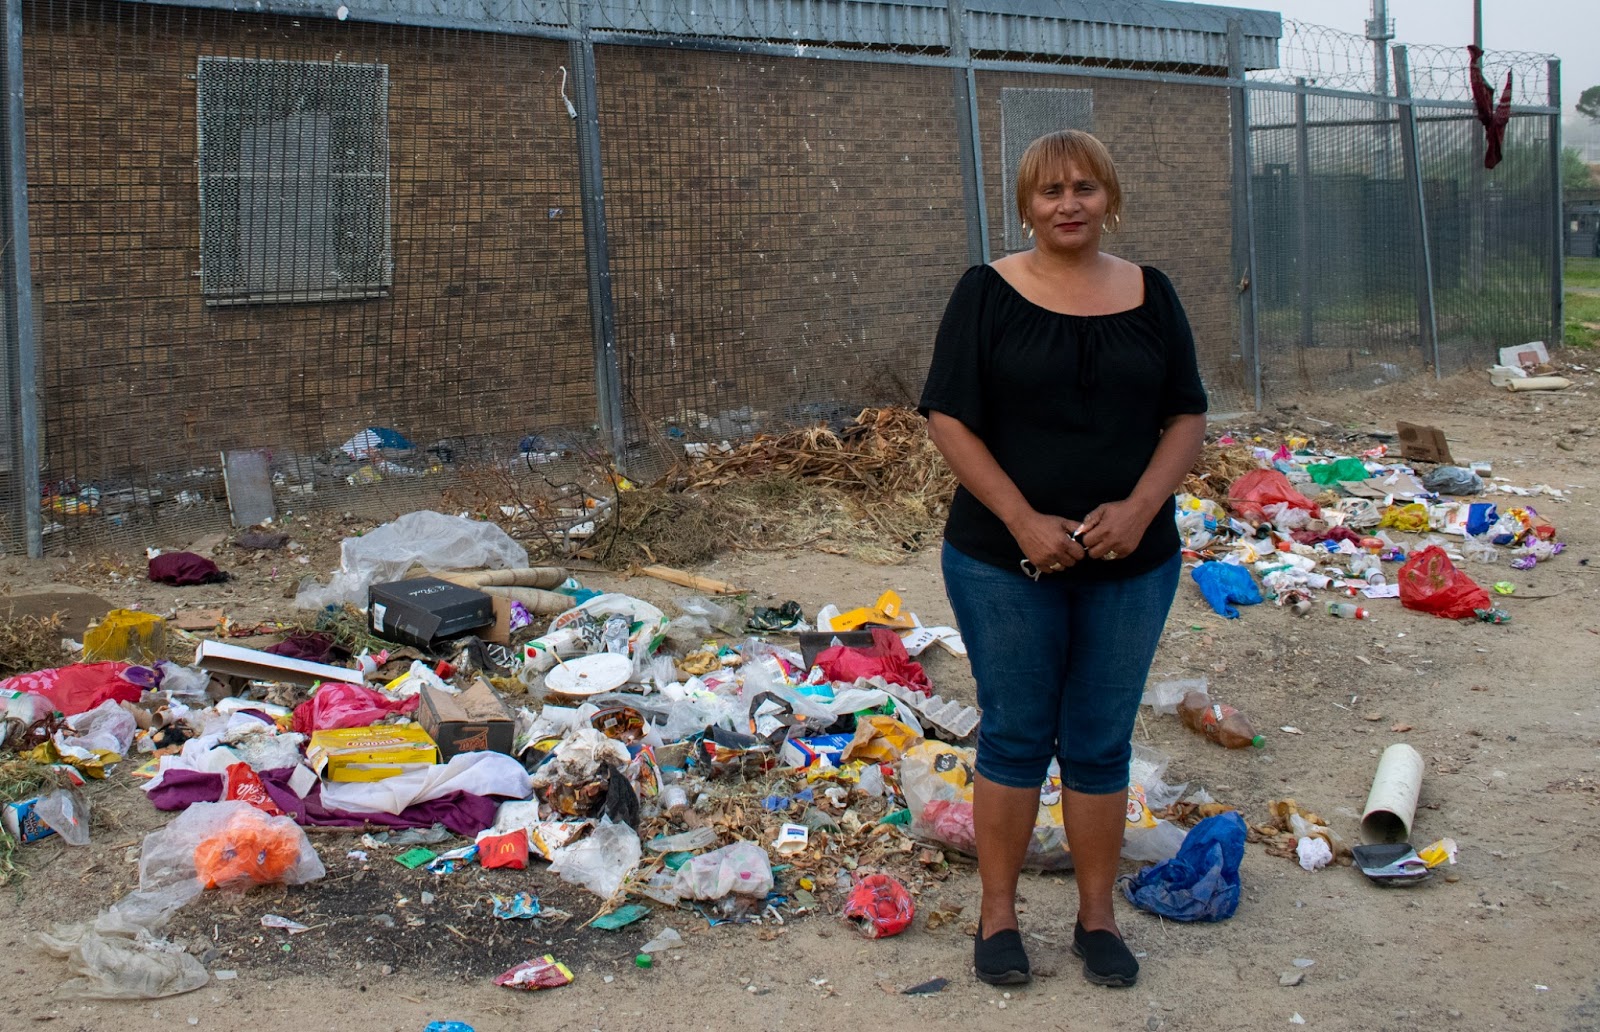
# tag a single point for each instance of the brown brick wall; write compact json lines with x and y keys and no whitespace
{"x":1171,"y":146}
{"x":486,"y":330}
{"x":784,"y":232}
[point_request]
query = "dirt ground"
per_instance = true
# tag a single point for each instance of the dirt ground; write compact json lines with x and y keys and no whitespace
{"x":1506,"y":717}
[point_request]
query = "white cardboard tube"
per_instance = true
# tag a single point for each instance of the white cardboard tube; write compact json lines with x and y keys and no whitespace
{"x":1392,"y":803}
{"x":1539,"y":383}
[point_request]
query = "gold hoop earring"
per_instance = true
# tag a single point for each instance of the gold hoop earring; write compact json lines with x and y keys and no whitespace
{"x":1113,"y":224}
{"x":1029,"y":227}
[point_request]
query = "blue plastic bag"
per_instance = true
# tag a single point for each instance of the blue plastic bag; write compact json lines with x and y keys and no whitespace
{"x":1201,"y":883}
{"x":1222,"y":583}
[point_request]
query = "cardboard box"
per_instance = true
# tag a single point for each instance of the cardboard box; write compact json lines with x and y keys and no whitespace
{"x":22,"y":822}
{"x":371,"y":753}
{"x":1424,"y":444}
{"x":220,"y":657}
{"x":426,"y":610}
{"x":473,"y":721}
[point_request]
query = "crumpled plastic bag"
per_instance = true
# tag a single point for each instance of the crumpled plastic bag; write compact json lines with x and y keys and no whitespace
{"x":108,"y":728}
{"x":338,"y":705}
{"x":424,"y":538}
{"x":66,"y":812}
{"x":646,"y":625}
{"x":741,"y":867}
{"x":1249,"y":495}
{"x":1330,"y":473}
{"x":937,"y":782}
{"x":228,"y":843}
{"x":879,"y":906}
{"x":1430,"y":583}
{"x":886,"y":658}
{"x":120,"y":956}
{"x":1201,"y":883}
{"x":80,"y":687}
{"x":1453,"y":480}
{"x":1225,"y":583}
{"x":601,"y":862}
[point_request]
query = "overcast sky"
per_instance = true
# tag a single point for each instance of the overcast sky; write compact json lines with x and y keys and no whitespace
{"x":1570,"y":29}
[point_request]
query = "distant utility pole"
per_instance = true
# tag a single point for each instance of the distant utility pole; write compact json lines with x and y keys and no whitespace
{"x":1380,"y":30}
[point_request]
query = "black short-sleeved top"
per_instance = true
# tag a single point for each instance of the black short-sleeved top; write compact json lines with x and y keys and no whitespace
{"x":1071,"y":406}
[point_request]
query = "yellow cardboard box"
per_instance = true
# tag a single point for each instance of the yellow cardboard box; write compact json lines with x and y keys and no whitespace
{"x":371,"y":753}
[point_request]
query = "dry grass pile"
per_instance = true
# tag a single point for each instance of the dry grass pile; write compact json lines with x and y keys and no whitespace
{"x":1218,"y":467}
{"x":877,"y":490}
{"x":30,"y":643}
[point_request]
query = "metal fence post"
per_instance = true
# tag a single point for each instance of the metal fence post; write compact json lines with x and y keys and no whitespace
{"x":1427,"y":317}
{"x":20,"y":341}
{"x":1558,"y":298}
{"x":1302,"y":149}
{"x":1244,"y":235}
{"x":966,"y":97}
{"x":597,"y":253}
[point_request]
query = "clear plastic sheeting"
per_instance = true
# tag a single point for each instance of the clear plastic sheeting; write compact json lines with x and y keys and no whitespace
{"x":423,"y":538}
{"x":120,"y":955}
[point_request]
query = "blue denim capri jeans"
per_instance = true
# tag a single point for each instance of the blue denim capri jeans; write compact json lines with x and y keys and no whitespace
{"x":1060,"y":665}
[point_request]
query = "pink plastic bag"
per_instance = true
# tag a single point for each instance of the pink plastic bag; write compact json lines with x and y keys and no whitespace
{"x":338,"y":705}
{"x":80,"y":687}
{"x":1430,"y":583}
{"x":887,"y":658}
{"x":1250,"y":494}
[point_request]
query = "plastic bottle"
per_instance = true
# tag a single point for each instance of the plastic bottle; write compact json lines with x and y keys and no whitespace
{"x":1347,"y":611}
{"x":1222,"y":724}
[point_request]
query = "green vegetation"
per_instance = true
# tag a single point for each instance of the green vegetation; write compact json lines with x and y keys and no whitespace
{"x":1582,"y":272}
{"x":1583,"y":320}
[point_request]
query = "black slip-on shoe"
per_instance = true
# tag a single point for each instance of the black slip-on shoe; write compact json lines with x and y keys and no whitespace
{"x":1106,"y":958}
{"x":1000,"y":959}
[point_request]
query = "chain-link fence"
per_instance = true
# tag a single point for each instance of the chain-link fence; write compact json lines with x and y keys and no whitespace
{"x":277,"y":259}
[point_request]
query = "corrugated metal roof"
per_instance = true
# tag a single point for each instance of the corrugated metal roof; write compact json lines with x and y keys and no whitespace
{"x":1143,"y":32}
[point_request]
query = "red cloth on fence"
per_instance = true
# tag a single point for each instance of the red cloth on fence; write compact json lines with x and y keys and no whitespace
{"x":1493,"y":116}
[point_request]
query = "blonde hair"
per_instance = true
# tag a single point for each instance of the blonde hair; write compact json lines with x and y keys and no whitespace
{"x":1056,"y":151}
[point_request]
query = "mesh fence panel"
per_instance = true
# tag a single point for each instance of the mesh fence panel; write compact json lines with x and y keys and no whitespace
{"x":181,"y":156}
{"x":783,"y":234}
{"x":1490,"y":234}
{"x":1337,"y":259}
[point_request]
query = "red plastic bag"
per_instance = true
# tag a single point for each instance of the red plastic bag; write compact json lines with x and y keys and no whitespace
{"x":879,"y":906}
{"x":887,"y":658}
{"x":1250,"y":494}
{"x":338,"y":705}
{"x":1430,"y":583}
{"x":244,"y":784}
{"x":78,"y":688}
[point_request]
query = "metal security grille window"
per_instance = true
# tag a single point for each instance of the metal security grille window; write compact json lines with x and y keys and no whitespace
{"x":1026,"y":115}
{"x":294,"y":180}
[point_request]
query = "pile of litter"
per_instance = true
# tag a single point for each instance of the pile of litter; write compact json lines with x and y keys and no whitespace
{"x":1312,"y":529}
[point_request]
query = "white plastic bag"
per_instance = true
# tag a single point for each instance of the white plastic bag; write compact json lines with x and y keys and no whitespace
{"x":424,"y":538}
{"x":1164,"y":697}
{"x":601,"y":862}
{"x":106,"y":728}
{"x":742,"y":868}
{"x":66,"y":811}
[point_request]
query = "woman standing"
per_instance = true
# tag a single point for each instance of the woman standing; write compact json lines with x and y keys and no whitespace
{"x":1065,"y":395}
